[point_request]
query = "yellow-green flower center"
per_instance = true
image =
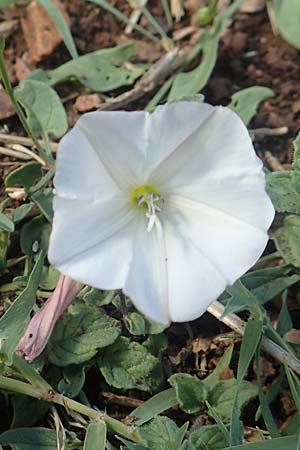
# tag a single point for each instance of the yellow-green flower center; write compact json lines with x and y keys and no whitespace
{"x":143,"y":191}
{"x":147,"y":197}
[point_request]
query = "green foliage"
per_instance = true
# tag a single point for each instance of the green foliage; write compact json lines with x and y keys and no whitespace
{"x":99,"y":71}
{"x":6,"y":223}
{"x":43,"y":107}
{"x":208,"y":437}
{"x":4,"y":241}
{"x":30,"y":439}
{"x":222,"y":396}
{"x":44,"y":199}
{"x":79,"y":335}
{"x":283,"y":188}
{"x":35,"y":236}
{"x":128,"y":365}
{"x":95,"y":436}
{"x":154,"y":406}
{"x":287,"y":240}
{"x":287,"y":17}
{"x":160,"y":434}
{"x":190,"y":392}
{"x":11,"y":330}
{"x":246,"y":101}
{"x":72,"y":381}
{"x":61,"y":25}
{"x":284,"y":443}
{"x":25,"y":176}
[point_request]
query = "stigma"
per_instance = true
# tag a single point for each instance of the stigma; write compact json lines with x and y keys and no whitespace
{"x":153,"y":203}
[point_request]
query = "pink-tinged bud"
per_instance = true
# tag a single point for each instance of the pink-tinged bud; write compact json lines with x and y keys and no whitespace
{"x":42,"y":323}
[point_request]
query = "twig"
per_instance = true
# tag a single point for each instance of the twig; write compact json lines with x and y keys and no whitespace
{"x":31,"y":154}
{"x":273,"y":162}
{"x":156,"y":74}
{"x":134,"y":16}
{"x":122,"y":400}
{"x":238,"y":325}
{"x":13,"y":153}
{"x":11,"y":139}
{"x":268,"y":131}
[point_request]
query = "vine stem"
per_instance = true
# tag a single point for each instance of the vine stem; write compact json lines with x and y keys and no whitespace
{"x":238,"y":325}
{"x":41,"y":393}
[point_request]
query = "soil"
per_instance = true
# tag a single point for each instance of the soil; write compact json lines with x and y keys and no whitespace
{"x":250,"y":54}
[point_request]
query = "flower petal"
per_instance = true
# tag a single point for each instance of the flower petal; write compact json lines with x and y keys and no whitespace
{"x":194,"y":283}
{"x":118,"y":139}
{"x":230,"y":244}
{"x":220,"y":146}
{"x":146,"y":283}
{"x":169,"y":126}
{"x":80,"y":173}
{"x":85,"y":234}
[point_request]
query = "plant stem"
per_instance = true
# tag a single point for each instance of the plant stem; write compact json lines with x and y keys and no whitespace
{"x":49,"y":395}
{"x":238,"y":325}
{"x":105,"y":5}
{"x":10,"y":92}
{"x":167,"y":11}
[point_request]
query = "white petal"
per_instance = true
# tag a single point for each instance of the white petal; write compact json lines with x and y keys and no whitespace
{"x":194,"y":283}
{"x":106,"y":265}
{"x":219,"y":147}
{"x":169,"y":126}
{"x":118,"y":139}
{"x":82,"y":232}
{"x":146,"y":283}
{"x":230,"y":244}
{"x":79,"y":170}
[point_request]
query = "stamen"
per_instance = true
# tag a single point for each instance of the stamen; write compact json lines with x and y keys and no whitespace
{"x":154,"y":203}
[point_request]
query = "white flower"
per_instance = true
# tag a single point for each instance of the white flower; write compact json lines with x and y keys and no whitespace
{"x":170,"y":206}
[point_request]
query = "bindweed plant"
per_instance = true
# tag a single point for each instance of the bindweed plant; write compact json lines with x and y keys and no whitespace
{"x":144,"y":218}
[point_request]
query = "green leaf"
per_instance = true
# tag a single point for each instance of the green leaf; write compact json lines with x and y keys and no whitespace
{"x":189,"y":83}
{"x":61,"y":25}
{"x":211,"y":380}
{"x":208,"y":437}
{"x":136,"y":324}
{"x":5,"y":3}
{"x":95,"y":437}
{"x":246,"y":101}
{"x":251,"y":339}
{"x":128,"y":365}
{"x":160,"y":434}
{"x":6,"y":223}
{"x":13,"y":323}
{"x":131,"y":445}
{"x":287,"y":17}
{"x":43,"y":107}
{"x":35,"y":236}
{"x":190,"y":391}
{"x":30,"y":439}
{"x":250,"y":342}
{"x":73,"y":380}
{"x":283,"y":443}
{"x":28,"y":410}
{"x":241,"y":298}
{"x":79,"y":335}
{"x":44,"y":199}
{"x":4,"y":242}
{"x":287,"y":240}
{"x":284,"y":321}
{"x":222,"y":396}
{"x":294,"y":387}
{"x":296,"y":159}
{"x":25,"y":176}
{"x":100,"y":71}
{"x":283,"y":189}
{"x":154,"y":406}
{"x":18,"y":214}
